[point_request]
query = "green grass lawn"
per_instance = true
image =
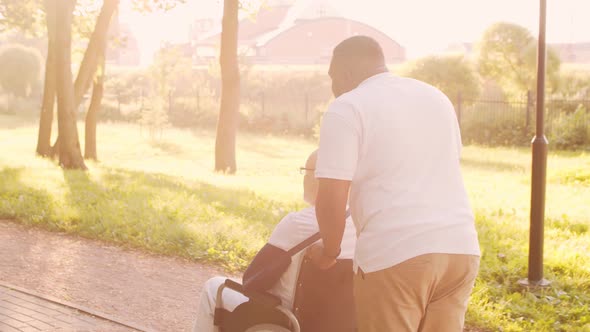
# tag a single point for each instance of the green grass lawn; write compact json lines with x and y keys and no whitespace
{"x":163,"y":196}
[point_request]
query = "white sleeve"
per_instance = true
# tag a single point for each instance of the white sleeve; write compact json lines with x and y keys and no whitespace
{"x":339,"y":142}
{"x":293,"y":229}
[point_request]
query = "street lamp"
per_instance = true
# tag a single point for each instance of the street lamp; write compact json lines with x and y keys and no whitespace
{"x":539,"y":171}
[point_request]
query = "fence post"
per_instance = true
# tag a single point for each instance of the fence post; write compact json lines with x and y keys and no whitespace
{"x":459,"y":105}
{"x":529,"y":104}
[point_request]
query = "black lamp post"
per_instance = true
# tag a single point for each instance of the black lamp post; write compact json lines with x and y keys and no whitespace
{"x":539,"y":147}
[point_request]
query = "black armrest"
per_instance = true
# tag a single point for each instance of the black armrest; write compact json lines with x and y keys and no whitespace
{"x":261,"y":297}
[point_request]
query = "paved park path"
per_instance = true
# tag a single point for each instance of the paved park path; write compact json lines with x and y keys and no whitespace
{"x":58,"y":282}
{"x":46,"y":277}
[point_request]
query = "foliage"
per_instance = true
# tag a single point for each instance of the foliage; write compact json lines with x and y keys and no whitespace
{"x":571,"y":131}
{"x":170,"y":68}
{"x":20,"y":69}
{"x":24,"y":15}
{"x":507,"y":53}
{"x":504,"y":123}
{"x":153,"y":5}
{"x":573,"y":85}
{"x":29,"y":16}
{"x":284,"y":102}
{"x":272,"y":101}
{"x":164,"y":197}
{"x":453,"y":75}
{"x":501,"y":131}
{"x":154,"y":117}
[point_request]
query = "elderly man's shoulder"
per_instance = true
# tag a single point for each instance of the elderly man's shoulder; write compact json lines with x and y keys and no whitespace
{"x":303,"y":216}
{"x":294,"y":228}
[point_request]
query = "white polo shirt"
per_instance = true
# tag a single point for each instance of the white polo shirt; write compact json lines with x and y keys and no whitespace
{"x":293,"y":229}
{"x":397,"y":140}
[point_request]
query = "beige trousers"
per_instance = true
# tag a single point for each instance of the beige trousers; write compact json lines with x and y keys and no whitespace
{"x":426,"y":293}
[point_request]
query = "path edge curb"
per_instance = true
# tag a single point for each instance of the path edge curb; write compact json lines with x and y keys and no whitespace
{"x":81,"y":308}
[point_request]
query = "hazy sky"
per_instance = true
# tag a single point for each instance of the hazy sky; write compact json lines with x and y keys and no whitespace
{"x":421,"y":26}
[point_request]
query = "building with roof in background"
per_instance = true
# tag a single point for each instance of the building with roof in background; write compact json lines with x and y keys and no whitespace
{"x":290,"y":32}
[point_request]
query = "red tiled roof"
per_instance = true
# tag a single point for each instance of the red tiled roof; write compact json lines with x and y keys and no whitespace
{"x":266,"y":20}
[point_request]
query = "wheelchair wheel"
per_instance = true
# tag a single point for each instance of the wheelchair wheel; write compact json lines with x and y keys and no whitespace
{"x":267,"y":328}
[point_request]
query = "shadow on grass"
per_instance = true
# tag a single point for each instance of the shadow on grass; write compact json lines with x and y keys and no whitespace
{"x":19,"y":201}
{"x":27,"y":205}
{"x":164,"y":214}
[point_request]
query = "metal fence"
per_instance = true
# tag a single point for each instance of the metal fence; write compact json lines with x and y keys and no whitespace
{"x":521,"y":111}
{"x":488,"y":121}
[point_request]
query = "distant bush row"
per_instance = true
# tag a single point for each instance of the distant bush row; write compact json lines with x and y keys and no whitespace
{"x":565,"y":128}
{"x":172,"y":92}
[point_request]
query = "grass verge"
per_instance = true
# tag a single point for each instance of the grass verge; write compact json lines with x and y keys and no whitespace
{"x":163,"y":196}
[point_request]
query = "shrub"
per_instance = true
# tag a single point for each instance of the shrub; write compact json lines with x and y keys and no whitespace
{"x":453,"y":75}
{"x":496,"y":122}
{"x":154,"y":118}
{"x":20,"y":69}
{"x":570,"y":131}
{"x":501,"y":131}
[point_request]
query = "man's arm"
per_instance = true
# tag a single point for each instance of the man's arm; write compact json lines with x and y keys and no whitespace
{"x":337,"y":161}
{"x":331,"y":214}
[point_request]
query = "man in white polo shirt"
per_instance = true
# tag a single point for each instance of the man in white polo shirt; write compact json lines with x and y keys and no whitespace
{"x":395,"y":144}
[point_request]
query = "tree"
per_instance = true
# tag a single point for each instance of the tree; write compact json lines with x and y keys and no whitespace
{"x":94,"y":108}
{"x":70,"y":155}
{"x":508,"y":53}
{"x":49,"y":88}
{"x":83,"y":79}
{"x":93,"y":64}
{"x":20,"y":69}
{"x":453,"y":75}
{"x":225,"y":142}
{"x":26,"y":15}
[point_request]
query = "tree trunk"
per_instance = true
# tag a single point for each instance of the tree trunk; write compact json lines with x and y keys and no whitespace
{"x":70,"y":155}
{"x":94,"y":109}
{"x":91,"y":61}
{"x":225,"y":143}
{"x":46,"y":118}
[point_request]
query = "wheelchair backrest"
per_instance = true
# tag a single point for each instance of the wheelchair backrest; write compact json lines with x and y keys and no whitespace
{"x":324,"y":298}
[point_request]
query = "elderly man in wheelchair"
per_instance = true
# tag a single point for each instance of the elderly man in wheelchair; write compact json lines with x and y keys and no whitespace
{"x":282,"y":290}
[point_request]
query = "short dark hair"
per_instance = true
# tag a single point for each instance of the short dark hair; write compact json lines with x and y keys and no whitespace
{"x":359,"y":47}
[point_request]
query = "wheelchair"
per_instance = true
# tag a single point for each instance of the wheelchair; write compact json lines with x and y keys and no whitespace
{"x":323,"y":303}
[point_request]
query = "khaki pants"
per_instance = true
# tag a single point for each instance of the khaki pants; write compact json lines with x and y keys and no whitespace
{"x":426,"y":293}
